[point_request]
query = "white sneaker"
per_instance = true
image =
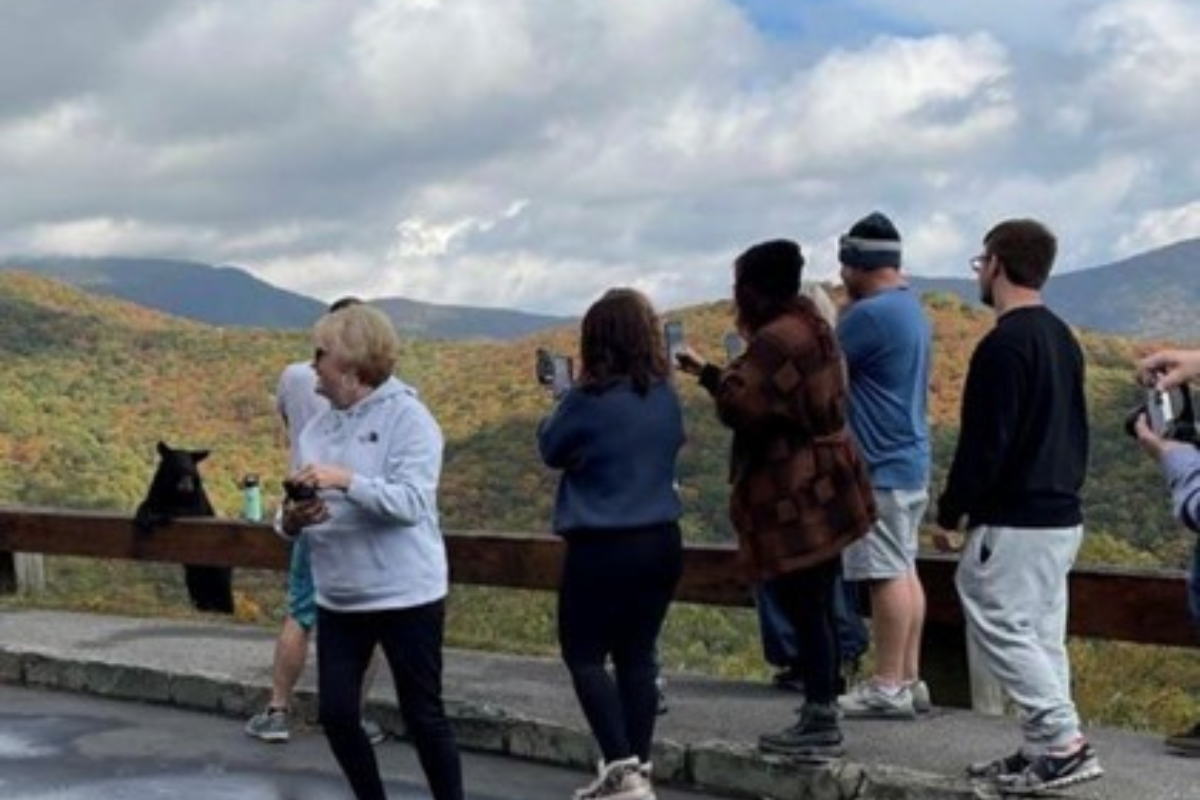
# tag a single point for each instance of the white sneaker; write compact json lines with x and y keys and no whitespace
{"x":619,"y":780}
{"x":869,"y":699}
{"x":922,"y":703}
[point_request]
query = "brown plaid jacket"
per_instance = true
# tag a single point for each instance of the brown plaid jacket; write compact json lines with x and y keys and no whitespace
{"x":801,"y":491}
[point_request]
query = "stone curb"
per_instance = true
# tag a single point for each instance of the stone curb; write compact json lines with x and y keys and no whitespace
{"x":721,"y":767}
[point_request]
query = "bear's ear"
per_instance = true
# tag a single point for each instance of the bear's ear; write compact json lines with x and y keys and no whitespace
{"x":163,"y":450}
{"x":199,"y":455}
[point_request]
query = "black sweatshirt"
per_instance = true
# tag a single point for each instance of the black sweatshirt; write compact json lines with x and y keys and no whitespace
{"x":1023,"y":444}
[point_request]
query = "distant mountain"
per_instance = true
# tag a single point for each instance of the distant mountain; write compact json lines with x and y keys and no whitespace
{"x":1152,"y":295}
{"x":225,"y":296}
{"x":430,"y":321}
{"x":231,"y":297}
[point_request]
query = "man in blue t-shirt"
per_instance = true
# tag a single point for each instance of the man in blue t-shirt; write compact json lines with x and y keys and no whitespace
{"x":886,"y":339}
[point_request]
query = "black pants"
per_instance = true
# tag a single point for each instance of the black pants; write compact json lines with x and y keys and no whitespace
{"x":613,"y":597}
{"x":411,"y":639}
{"x":807,"y":598}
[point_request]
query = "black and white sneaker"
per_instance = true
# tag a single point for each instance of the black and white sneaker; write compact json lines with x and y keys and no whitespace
{"x":998,"y":768}
{"x":1046,"y":773}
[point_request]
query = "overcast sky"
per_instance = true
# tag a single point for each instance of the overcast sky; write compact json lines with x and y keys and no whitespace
{"x":531,"y":153}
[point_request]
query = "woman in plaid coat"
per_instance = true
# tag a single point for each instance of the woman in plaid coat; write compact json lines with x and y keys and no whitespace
{"x":800,"y":492}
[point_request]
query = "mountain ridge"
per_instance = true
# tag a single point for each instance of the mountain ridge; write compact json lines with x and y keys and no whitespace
{"x":230,"y":296}
{"x":1149,"y":295}
{"x":1152,"y":295}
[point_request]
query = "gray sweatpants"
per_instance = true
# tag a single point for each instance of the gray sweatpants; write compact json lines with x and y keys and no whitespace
{"x":1013,"y":587}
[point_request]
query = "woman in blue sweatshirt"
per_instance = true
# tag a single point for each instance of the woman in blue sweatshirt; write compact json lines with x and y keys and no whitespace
{"x":615,"y":436}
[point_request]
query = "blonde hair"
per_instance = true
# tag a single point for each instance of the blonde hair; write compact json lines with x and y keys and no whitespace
{"x":821,"y":299}
{"x":361,"y":337}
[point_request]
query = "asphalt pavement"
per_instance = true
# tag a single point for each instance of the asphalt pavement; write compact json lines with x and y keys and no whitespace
{"x":524,"y":708}
{"x":71,"y":747}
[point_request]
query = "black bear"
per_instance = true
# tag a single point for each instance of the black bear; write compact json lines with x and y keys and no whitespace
{"x":177,"y":491}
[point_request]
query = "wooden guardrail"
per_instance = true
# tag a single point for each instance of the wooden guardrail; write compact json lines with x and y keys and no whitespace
{"x":1138,"y":606}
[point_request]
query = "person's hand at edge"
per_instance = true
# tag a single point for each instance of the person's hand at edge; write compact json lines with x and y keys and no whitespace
{"x":689,"y":361}
{"x":1167,"y":368}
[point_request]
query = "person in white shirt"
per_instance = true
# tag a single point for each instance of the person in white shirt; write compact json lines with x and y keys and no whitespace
{"x":297,"y":402}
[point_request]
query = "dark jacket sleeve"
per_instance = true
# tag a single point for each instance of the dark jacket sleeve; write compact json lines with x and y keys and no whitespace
{"x":561,"y":433}
{"x":991,"y":405}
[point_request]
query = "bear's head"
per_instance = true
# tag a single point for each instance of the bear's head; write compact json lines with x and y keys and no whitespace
{"x":177,"y":489}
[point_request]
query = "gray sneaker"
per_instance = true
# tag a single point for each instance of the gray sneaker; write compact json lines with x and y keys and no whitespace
{"x":269,"y":725}
{"x":869,"y":700}
{"x":922,"y":703}
{"x":816,"y":735}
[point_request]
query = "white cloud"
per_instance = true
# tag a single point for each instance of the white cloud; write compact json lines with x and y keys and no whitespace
{"x":104,"y":235}
{"x":1147,"y":73}
{"x":533,"y":152}
{"x":1161,"y":226}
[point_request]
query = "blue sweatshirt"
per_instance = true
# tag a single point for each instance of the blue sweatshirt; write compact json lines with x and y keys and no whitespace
{"x":617,"y":452}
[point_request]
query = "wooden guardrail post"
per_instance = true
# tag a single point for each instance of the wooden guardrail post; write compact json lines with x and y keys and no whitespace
{"x":8,"y":573}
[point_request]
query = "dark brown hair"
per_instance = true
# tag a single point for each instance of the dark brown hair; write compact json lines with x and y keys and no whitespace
{"x":621,"y":338}
{"x":765,"y":281}
{"x":1025,"y":248}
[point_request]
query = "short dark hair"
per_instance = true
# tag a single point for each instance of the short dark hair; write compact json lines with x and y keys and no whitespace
{"x":766,"y":279}
{"x":1025,"y":249}
{"x":344,"y":302}
{"x":621,"y":338}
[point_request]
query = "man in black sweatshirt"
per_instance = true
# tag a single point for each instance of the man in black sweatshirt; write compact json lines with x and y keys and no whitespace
{"x":1016,"y":478}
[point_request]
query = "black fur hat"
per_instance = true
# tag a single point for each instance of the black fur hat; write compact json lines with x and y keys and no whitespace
{"x":772,"y":268}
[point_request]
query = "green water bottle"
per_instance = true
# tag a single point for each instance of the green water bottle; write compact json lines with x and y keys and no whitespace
{"x":251,"y":499}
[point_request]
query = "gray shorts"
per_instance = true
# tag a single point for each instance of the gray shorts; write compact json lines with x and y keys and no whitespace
{"x":889,"y":549}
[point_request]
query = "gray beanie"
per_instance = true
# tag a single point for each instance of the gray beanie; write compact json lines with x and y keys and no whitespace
{"x":871,"y":243}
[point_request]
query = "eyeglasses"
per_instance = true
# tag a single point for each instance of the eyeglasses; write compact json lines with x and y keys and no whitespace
{"x":979,"y":262}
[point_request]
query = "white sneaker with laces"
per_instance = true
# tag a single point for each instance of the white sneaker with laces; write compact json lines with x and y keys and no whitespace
{"x":618,"y":780}
{"x":870,"y":700}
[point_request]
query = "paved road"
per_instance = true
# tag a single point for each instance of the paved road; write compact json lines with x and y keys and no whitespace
{"x":73,"y":747}
{"x":524,"y":707}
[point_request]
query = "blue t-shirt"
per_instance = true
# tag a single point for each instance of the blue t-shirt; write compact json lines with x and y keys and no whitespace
{"x":886,"y":339}
{"x":617,"y":452}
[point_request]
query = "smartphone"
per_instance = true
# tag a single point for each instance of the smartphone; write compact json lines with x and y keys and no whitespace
{"x":299,"y":492}
{"x":734,"y":345}
{"x":543,"y":368}
{"x":563,"y":376}
{"x":673,"y":333}
{"x":554,"y":371}
{"x":1170,"y":413}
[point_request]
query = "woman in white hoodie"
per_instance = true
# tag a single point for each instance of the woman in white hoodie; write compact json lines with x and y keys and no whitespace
{"x":378,"y":557}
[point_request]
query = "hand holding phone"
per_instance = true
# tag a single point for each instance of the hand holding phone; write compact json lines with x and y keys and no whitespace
{"x":299,"y":492}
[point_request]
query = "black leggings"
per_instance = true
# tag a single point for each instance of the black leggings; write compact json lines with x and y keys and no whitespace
{"x":411,"y":639}
{"x":613,"y":597}
{"x":807,"y":598}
